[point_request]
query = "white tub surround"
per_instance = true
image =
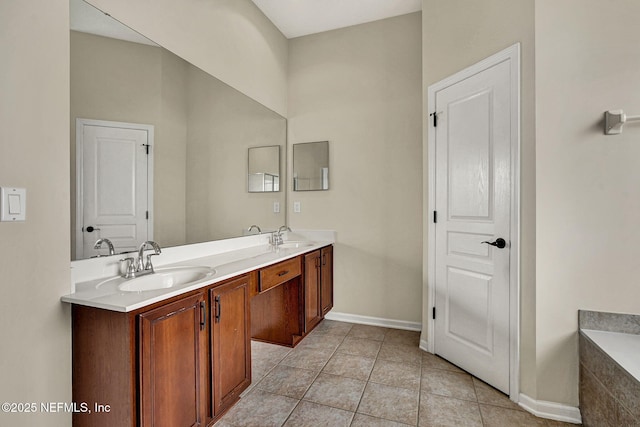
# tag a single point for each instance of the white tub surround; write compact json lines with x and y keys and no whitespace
{"x":230,"y":258}
{"x":609,"y":368}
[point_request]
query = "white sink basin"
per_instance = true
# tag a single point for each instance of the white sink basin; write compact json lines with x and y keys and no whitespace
{"x":168,"y":277}
{"x":295,"y":244}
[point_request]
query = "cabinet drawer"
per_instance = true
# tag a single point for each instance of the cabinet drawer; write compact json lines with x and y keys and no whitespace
{"x":279,"y":273}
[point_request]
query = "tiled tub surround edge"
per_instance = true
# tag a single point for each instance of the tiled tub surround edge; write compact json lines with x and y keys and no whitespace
{"x":230,"y":258}
{"x":609,"y":393}
{"x":611,"y":322}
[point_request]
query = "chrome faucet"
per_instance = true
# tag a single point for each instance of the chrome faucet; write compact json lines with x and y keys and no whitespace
{"x":136,"y":268}
{"x":276,"y":237}
{"x":147,"y":267}
{"x":256,"y":227}
{"x":99,"y":243}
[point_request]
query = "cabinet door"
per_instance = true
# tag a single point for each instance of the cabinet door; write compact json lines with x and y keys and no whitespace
{"x":230,"y":342}
{"x":326,"y":279}
{"x":172,"y":343}
{"x":312,"y":310}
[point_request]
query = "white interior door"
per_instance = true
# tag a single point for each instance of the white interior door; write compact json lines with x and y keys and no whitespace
{"x":473,"y":138}
{"x":114,"y":185}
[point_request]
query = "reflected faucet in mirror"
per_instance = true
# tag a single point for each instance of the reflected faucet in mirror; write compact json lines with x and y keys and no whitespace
{"x":256,"y":227}
{"x":99,"y":243}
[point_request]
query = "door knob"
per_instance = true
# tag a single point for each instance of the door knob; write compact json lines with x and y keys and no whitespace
{"x":499,"y":243}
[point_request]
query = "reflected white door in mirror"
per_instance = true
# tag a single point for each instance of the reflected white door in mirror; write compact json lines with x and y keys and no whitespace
{"x":114,"y":185}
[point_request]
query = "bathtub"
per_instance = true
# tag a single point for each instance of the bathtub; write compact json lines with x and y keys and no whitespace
{"x":623,"y":348}
{"x":609,"y":368}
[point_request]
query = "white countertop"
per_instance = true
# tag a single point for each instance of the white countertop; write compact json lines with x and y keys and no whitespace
{"x":229,"y":263}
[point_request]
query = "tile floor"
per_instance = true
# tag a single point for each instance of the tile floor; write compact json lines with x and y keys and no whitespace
{"x":365,"y":376}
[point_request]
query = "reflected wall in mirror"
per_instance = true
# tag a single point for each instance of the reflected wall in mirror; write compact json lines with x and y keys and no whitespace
{"x":311,"y":166}
{"x":203,"y":129}
{"x":264,"y":169}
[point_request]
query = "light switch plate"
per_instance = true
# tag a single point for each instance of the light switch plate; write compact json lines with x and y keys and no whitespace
{"x":13,"y":204}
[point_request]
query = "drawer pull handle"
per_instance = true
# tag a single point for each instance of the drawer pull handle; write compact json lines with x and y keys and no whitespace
{"x":218,"y":309}
{"x":203,"y":314}
{"x":282,"y":273}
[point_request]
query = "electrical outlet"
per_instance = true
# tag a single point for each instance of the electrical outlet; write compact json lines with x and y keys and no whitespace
{"x":276,"y":207}
{"x":296,"y":207}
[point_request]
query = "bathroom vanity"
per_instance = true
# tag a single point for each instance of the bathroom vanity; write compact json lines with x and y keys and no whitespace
{"x":182,"y":357}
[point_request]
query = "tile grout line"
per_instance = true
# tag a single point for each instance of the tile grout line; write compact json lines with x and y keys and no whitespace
{"x":475,"y":391}
{"x":375,"y":360}
{"x":316,"y":377}
{"x":420,"y":387}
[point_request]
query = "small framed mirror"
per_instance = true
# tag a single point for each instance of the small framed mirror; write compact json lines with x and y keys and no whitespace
{"x":264,"y":169}
{"x":311,"y":166}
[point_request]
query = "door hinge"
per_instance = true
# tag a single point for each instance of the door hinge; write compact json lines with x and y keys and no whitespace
{"x":147,"y":215}
{"x":433,"y":313}
{"x":146,"y":146}
{"x":435,"y":217}
{"x":435,"y":118}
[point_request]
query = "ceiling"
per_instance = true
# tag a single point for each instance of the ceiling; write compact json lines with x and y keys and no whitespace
{"x":295,"y":18}
{"x":87,"y":19}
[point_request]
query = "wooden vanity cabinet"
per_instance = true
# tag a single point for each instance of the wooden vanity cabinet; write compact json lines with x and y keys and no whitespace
{"x":312,"y":307}
{"x":230,"y":360}
{"x":326,"y":279}
{"x":184,"y":361}
{"x":178,"y":363}
{"x":172,"y":376}
{"x":318,"y":286}
{"x":277,"y":308}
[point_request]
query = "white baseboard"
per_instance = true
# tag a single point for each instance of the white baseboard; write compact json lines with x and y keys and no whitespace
{"x":424,"y":345}
{"x":551,"y":410}
{"x":374,"y":321}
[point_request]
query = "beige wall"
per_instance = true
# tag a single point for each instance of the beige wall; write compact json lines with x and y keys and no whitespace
{"x":230,"y":39}
{"x":588,"y":184}
{"x":360,"y":89}
{"x":457,"y":34}
{"x":35,"y":361}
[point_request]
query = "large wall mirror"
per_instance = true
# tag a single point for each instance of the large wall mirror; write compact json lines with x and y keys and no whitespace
{"x":202,"y":129}
{"x":311,"y":166}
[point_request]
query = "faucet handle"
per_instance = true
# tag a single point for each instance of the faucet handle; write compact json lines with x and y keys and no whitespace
{"x":131,"y":268}
{"x":148,"y":265}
